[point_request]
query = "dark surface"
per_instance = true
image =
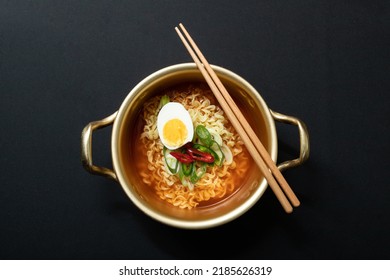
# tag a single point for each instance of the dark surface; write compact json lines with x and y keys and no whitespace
{"x":66,"y":63}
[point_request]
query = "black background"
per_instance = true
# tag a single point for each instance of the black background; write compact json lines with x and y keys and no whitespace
{"x":64,"y":64}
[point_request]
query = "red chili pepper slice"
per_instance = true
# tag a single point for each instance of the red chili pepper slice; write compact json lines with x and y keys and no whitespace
{"x":183,"y":158}
{"x":201,"y":156}
{"x":188,"y":145}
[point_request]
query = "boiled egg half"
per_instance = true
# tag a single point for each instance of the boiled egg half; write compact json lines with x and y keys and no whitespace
{"x":174,"y":125}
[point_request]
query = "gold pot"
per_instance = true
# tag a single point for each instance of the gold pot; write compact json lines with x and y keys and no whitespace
{"x":261,"y":118}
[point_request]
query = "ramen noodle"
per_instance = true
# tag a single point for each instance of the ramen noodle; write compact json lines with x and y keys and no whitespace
{"x":218,"y":182}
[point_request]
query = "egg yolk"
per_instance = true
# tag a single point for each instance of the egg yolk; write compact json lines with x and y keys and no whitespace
{"x":175,"y":132}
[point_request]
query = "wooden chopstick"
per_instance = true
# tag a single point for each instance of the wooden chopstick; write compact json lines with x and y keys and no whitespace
{"x":251,"y":141}
{"x":264,"y":154}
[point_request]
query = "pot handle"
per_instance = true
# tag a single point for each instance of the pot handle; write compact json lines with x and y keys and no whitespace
{"x":303,"y":138}
{"x":86,"y":147}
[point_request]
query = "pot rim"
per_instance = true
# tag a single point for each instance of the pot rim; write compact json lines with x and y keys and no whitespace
{"x":193,"y":224}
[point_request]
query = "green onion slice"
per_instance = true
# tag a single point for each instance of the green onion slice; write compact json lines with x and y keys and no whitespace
{"x":204,"y":135}
{"x":216,"y":137}
{"x":171,"y":162}
{"x":187,"y":168}
{"x":163,"y":101}
{"x":218,"y":150}
{"x":228,"y":154}
{"x":198,"y":172}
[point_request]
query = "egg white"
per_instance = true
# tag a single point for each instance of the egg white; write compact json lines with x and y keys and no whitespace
{"x":174,"y":110}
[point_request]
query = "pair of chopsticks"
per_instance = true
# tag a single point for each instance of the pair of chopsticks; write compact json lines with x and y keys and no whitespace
{"x":248,"y":136}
